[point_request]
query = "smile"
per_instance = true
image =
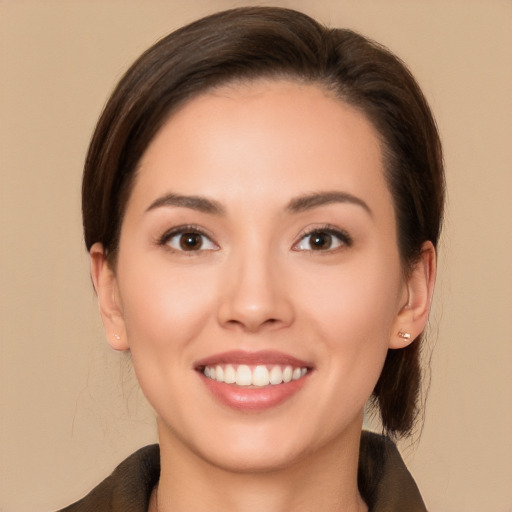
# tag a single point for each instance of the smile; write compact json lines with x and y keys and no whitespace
{"x":253,"y":381}
{"x":260,"y":375}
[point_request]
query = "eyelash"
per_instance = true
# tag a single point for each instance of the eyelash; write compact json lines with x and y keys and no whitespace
{"x":188,"y":229}
{"x":344,"y":239}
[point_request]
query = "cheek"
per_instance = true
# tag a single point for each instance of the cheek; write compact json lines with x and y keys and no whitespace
{"x":164,"y":308}
{"x":164,"y":311}
{"x":353,"y":310}
{"x":360,"y":296}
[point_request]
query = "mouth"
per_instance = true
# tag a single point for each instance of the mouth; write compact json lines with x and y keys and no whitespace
{"x":253,"y":381}
{"x":254,"y":375}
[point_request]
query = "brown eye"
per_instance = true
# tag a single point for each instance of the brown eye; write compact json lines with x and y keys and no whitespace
{"x":189,"y":241}
{"x":320,"y":241}
{"x":323,"y":240}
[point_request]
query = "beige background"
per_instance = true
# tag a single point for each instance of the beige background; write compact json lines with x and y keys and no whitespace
{"x":69,"y":410}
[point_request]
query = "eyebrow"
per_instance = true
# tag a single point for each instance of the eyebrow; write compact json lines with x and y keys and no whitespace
{"x":199,"y":203}
{"x":296,"y":205}
{"x":316,"y":199}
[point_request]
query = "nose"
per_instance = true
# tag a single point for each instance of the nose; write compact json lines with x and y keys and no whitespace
{"x":254,"y":294}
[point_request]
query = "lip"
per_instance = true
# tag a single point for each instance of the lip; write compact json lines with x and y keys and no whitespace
{"x":249,"y":399}
{"x":252,"y":358}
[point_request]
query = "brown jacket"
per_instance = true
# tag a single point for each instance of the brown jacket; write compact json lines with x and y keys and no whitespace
{"x":384,"y":481}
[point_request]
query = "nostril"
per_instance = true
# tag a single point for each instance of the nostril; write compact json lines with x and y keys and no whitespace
{"x":248,"y":309}
{"x":254,"y":324}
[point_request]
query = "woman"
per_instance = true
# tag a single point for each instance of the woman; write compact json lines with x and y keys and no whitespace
{"x":262,"y":199}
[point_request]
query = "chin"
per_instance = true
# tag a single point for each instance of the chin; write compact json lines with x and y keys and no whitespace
{"x":254,"y":459}
{"x":239,"y":448}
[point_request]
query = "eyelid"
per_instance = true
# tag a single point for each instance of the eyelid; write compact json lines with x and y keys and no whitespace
{"x":164,"y":239}
{"x":342,"y":235}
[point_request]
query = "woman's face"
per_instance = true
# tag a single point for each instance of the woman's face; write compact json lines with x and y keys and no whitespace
{"x":259,"y":246}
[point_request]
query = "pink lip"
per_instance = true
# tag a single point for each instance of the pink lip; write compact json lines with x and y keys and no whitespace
{"x":252,"y":358}
{"x":248,"y":398}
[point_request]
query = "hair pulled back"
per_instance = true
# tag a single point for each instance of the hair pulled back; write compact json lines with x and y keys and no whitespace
{"x":267,"y":42}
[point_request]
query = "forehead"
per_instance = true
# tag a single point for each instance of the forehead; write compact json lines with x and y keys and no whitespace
{"x":238,"y":139}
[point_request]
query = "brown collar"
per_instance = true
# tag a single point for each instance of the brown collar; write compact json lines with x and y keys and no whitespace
{"x":385,"y":483}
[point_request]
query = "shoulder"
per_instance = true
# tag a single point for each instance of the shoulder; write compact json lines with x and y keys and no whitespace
{"x":384,"y":480}
{"x":128,"y":488}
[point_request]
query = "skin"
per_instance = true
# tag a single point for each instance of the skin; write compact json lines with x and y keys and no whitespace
{"x":256,"y":283}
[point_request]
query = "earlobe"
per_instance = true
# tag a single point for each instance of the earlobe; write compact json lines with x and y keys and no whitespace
{"x":105,"y":284}
{"x":413,"y":316}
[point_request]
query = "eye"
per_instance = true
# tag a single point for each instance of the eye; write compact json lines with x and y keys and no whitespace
{"x":188,"y":239}
{"x":323,"y":239}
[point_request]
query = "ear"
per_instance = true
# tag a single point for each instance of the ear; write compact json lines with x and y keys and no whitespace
{"x":105,"y":284}
{"x":419,"y":288}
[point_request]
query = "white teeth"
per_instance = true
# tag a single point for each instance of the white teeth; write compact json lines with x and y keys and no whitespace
{"x":243,"y":376}
{"x":276,"y":375}
{"x":229,"y":374}
{"x":258,"y":376}
{"x":296,"y":374}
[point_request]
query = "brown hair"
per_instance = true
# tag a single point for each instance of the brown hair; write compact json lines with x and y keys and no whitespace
{"x":254,"y":42}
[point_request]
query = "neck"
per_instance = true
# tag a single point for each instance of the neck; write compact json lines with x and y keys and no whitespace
{"x":326,"y":481}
